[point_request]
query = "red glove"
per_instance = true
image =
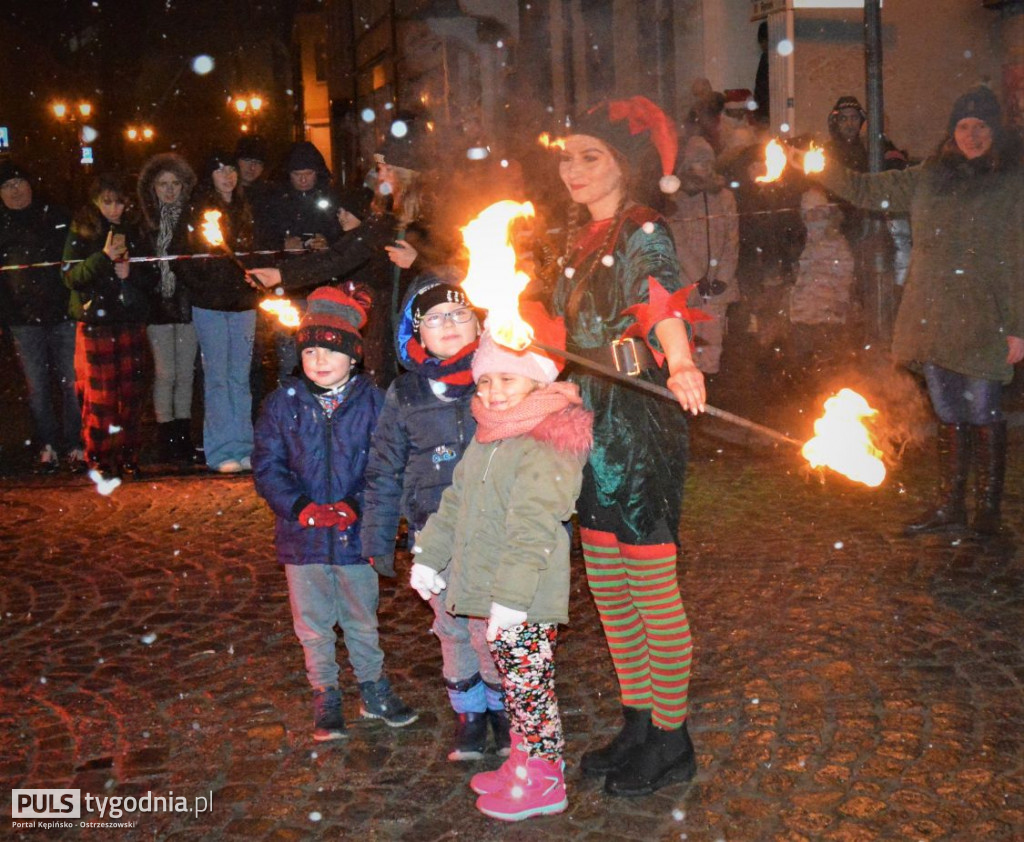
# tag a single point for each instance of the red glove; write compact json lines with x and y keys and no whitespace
{"x":346,"y":515}
{"x":328,"y":515}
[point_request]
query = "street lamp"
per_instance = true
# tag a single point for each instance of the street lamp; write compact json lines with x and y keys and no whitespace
{"x":140,"y":134}
{"x":65,"y":114}
{"x":248,"y":107}
{"x":72,"y":119}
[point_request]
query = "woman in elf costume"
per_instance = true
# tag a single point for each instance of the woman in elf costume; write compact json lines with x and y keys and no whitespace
{"x":618,"y":290}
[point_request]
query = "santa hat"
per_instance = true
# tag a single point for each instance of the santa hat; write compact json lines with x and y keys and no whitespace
{"x":332,"y":320}
{"x":739,"y":98}
{"x":627,"y":125}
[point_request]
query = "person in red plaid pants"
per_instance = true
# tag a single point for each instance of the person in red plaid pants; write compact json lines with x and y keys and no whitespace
{"x":109,"y":299}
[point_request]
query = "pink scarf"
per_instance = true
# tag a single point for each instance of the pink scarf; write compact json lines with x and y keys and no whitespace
{"x":532,"y":410}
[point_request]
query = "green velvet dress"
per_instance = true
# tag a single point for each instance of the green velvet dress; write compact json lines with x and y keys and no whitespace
{"x":633,"y":482}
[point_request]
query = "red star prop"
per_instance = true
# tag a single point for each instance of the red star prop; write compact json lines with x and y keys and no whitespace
{"x":661,"y":305}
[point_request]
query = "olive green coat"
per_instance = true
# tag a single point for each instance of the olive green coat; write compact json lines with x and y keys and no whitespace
{"x":964,"y":292}
{"x":499,"y":534}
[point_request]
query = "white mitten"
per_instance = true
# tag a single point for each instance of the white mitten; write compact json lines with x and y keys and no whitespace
{"x":426,"y":581}
{"x":503,"y":618}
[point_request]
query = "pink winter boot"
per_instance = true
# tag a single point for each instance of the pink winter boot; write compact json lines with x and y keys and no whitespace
{"x":484,"y":783}
{"x":536,"y":788}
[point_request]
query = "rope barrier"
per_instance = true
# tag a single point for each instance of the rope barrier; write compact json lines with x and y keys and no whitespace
{"x":174,"y":257}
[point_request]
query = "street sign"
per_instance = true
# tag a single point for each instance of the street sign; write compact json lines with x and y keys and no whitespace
{"x":5,"y":138}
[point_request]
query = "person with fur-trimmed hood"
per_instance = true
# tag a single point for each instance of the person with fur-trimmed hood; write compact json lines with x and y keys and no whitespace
{"x":165,"y":189}
{"x":961,"y":317}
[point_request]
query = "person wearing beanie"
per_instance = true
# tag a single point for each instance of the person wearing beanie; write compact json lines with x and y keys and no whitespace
{"x":312,"y":439}
{"x":497,"y":551}
{"x":960,"y":322}
{"x":251,"y":157}
{"x":359,"y":256}
{"x":165,"y":188}
{"x":299,"y":216}
{"x":619,"y":293}
{"x":705,"y":228}
{"x":423,"y":431}
{"x":223,"y":314}
{"x":34,"y":306}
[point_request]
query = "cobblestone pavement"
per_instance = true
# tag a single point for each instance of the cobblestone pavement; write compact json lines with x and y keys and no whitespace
{"x":848,"y":684}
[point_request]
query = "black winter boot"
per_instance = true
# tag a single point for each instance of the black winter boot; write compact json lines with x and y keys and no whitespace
{"x":184,"y":452}
{"x":666,"y":757}
{"x":990,"y":471}
{"x":954,"y":449}
{"x":167,"y":442}
{"x":502,"y":729}
{"x":603,"y":760}
{"x":470,"y":740}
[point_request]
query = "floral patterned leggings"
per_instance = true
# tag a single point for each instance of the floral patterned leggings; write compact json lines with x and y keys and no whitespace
{"x":525,"y":658}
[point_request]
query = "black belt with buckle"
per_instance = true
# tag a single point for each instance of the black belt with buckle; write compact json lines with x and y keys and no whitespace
{"x":627,"y":356}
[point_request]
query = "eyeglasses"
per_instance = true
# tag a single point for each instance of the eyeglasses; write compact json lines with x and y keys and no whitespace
{"x":436,"y":320}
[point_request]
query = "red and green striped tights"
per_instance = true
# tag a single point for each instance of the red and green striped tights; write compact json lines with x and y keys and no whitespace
{"x":637,"y":596}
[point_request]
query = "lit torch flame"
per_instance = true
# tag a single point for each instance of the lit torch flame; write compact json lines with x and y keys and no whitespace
{"x":774,"y":161}
{"x":842,"y":442}
{"x":492,"y":281}
{"x":549,"y":142}
{"x":285,"y":311}
{"x":211,"y":228}
{"x":814,"y":159}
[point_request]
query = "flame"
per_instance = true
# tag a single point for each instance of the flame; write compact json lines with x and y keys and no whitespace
{"x":774,"y":161}
{"x":842,"y":442}
{"x":285,"y":311}
{"x":211,"y":228}
{"x":549,"y":142}
{"x":492,"y":281}
{"x":814,"y":159}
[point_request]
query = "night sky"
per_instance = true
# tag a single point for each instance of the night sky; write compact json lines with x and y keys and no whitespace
{"x":132,"y":60}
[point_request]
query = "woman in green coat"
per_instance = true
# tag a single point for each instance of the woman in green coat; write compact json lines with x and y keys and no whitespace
{"x":961,"y":319}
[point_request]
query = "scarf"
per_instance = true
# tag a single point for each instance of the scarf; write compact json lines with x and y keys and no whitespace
{"x":169,"y":216}
{"x":494,"y":425}
{"x":455,"y":372}
{"x":329,"y":399}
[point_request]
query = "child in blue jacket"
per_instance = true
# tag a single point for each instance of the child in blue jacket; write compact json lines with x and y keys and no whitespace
{"x":311,"y":446}
{"x":424,"y":429}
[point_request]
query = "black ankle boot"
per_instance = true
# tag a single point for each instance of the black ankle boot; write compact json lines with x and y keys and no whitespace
{"x":470,"y":740}
{"x":990,"y":472}
{"x":954,"y":451}
{"x":184,"y":452}
{"x":167,"y":441}
{"x":502,"y":730}
{"x":666,"y":757}
{"x":603,"y":760}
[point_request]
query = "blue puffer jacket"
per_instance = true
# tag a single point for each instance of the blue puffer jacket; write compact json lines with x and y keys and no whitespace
{"x":417,"y":444}
{"x":301,"y":453}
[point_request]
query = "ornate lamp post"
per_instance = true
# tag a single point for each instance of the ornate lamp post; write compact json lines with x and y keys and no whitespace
{"x":248,"y":108}
{"x":72,"y":120}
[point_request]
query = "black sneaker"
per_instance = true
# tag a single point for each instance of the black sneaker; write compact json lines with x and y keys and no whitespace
{"x":328,"y":722}
{"x":380,"y":702}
